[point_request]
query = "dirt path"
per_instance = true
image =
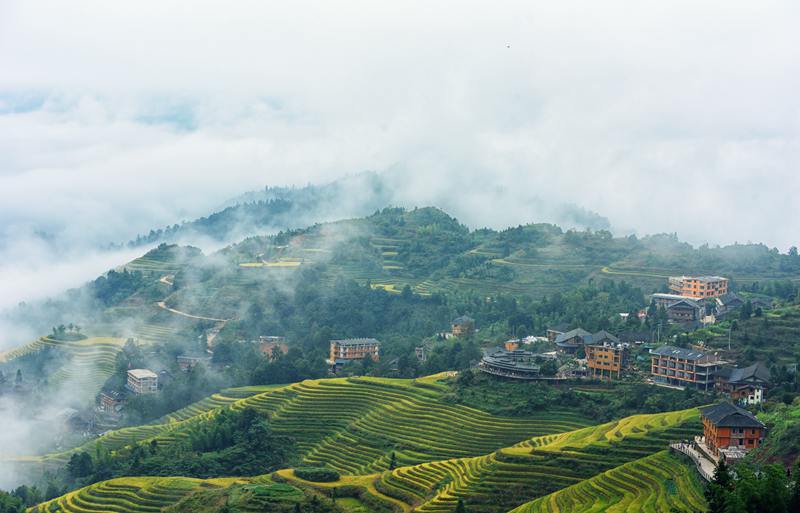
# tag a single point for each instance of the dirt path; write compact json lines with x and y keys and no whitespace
{"x":163,"y":305}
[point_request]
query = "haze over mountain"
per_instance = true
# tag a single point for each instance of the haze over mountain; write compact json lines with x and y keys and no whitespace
{"x":112,"y":123}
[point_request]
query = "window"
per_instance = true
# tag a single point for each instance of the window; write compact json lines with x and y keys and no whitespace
{"x":741,"y":441}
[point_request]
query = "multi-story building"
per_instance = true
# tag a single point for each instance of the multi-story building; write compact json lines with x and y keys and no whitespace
{"x":606,"y":361}
{"x":517,"y":364}
{"x":463,"y":326}
{"x":684,"y":367}
{"x":699,"y":286}
{"x":730,"y":431}
{"x":353,"y":349}
{"x":142,"y":381}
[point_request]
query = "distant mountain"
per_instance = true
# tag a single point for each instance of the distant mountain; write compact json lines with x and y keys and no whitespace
{"x":284,"y":208}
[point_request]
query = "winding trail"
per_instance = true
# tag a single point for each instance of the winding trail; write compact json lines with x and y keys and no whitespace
{"x":163,"y":305}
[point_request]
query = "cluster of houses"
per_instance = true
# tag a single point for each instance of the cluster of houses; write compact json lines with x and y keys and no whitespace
{"x":693,"y":368}
{"x":692,"y":295}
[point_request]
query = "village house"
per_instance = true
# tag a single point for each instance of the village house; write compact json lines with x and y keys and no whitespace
{"x":606,"y":360}
{"x":684,"y":367}
{"x":420,"y":353}
{"x":463,"y":326}
{"x":685,"y":311}
{"x":350,"y":350}
{"x":747,"y":385}
{"x":553,"y":332}
{"x":730,"y":431}
{"x":111,"y":402}
{"x":142,"y":381}
{"x":679,"y":308}
{"x":572,"y":370}
{"x":269,"y":344}
{"x":732,"y":302}
{"x":187,"y":363}
{"x":699,"y":286}
{"x":570,"y":341}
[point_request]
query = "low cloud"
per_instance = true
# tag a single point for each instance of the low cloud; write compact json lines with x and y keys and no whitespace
{"x":663,"y":117}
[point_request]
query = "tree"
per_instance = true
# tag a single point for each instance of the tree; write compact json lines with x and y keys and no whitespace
{"x":746,"y":311}
{"x":80,"y":465}
{"x":718,"y":489}
{"x":460,"y":508}
{"x":774,"y":492}
{"x":734,"y":504}
{"x":10,"y":503}
{"x":652,"y":310}
{"x":18,"y":379}
{"x":794,"y":501}
{"x":392,"y":461}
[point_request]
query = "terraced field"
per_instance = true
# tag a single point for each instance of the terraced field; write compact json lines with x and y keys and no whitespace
{"x":354,"y":424}
{"x":617,"y":466}
{"x":504,"y":479}
{"x":445,"y":452}
{"x":656,"y":483}
{"x":150,"y":265}
{"x":90,"y":362}
{"x":132,"y":494}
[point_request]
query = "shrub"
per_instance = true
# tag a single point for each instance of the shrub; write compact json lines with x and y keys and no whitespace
{"x":317,"y":474}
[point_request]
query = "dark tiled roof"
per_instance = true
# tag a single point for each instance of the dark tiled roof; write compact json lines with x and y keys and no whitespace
{"x":758,"y":371}
{"x":356,"y":341}
{"x":603,"y":335}
{"x":687,"y":302}
{"x":729,"y":298}
{"x":577,"y":332}
{"x":724,"y":372}
{"x":678,"y":352}
{"x":464,"y":319}
{"x":729,"y":415}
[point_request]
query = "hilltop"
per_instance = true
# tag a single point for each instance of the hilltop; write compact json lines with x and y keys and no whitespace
{"x":273,"y":209}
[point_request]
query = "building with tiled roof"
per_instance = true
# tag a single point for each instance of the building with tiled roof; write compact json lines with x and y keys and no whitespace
{"x":730,"y":430}
{"x":684,"y":367}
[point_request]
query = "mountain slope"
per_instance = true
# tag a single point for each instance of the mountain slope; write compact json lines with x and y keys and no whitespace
{"x":620,"y":462}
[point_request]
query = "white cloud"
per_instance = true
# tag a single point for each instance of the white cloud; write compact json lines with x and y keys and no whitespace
{"x":663,"y":116}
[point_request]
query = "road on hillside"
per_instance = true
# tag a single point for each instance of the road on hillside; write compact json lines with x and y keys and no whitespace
{"x":163,"y":304}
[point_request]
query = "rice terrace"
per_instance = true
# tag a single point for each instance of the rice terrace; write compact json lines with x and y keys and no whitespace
{"x":396,"y":446}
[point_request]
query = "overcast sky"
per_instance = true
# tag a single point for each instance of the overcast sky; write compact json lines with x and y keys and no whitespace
{"x":116,"y":117}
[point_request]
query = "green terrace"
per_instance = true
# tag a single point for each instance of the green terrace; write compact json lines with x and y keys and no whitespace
{"x":504,"y":479}
{"x":655,"y":483}
{"x":617,"y":466}
{"x":354,"y":424}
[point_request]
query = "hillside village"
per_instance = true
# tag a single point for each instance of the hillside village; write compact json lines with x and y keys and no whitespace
{"x":600,"y":352}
